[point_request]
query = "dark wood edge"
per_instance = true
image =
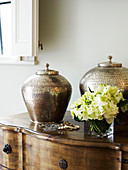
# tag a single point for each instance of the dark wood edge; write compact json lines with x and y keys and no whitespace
{"x":60,"y":140}
{"x":1,"y":166}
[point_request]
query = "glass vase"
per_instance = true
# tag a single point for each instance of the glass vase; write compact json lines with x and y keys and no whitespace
{"x":98,"y":128}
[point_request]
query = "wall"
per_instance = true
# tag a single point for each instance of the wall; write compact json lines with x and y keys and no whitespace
{"x":77,"y":34}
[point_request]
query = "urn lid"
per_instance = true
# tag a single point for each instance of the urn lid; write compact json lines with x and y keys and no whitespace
{"x":109,"y":63}
{"x":47,"y":71}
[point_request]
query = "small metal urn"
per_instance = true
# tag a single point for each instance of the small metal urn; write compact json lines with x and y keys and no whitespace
{"x":109,"y":73}
{"x":46,"y":95}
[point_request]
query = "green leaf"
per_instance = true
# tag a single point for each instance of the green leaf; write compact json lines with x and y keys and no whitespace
{"x":99,"y":126}
{"x":90,"y":90}
{"x":122,"y":103}
{"x":77,"y":119}
{"x":123,"y":106}
{"x":119,"y":116}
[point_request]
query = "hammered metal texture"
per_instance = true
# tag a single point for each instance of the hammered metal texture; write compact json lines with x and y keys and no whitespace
{"x":114,"y":76}
{"x":46,"y":97}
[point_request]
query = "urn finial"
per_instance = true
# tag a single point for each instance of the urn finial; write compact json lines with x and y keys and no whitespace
{"x":110,"y":59}
{"x":47,"y":65}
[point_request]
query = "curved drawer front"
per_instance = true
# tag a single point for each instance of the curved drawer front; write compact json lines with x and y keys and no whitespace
{"x":10,"y":149}
{"x":46,"y":155}
{"x":125,"y":157}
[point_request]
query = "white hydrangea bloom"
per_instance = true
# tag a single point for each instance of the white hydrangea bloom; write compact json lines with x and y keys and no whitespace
{"x":99,"y":105}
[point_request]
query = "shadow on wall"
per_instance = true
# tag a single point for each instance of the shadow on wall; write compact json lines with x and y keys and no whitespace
{"x":57,"y":20}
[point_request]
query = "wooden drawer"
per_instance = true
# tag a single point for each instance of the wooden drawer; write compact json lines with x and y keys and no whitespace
{"x":11,"y":160}
{"x":125,"y":161}
{"x":46,"y":155}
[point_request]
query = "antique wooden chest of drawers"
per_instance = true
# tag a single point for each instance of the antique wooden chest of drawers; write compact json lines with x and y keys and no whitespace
{"x":26,"y":146}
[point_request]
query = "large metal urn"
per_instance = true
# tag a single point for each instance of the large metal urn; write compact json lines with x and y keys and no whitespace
{"x":109,"y":73}
{"x":46,"y":95}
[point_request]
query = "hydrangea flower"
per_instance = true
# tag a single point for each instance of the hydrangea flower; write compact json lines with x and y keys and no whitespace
{"x":98,"y":105}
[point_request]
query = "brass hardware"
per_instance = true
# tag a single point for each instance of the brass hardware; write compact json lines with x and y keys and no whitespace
{"x":47,"y":71}
{"x":35,"y":60}
{"x":110,"y":58}
{"x":40,"y":45}
{"x":47,"y":65}
{"x":7,"y":149}
{"x":21,"y":58}
{"x":25,"y":59}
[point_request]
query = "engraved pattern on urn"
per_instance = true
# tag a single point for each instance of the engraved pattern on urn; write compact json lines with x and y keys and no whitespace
{"x":114,"y":76}
{"x":46,"y":95}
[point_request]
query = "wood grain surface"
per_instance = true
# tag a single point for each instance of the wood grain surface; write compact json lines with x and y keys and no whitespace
{"x":12,"y":160}
{"x":34,"y":148}
{"x":45,"y":155}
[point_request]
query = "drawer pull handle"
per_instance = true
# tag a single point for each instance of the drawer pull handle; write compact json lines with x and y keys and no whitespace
{"x":63,"y":164}
{"x":125,"y":161}
{"x":7,"y":149}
